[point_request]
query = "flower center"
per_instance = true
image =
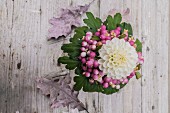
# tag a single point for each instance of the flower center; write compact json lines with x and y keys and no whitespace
{"x":117,"y":58}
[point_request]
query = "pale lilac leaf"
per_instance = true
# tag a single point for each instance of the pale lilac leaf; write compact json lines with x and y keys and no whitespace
{"x":60,"y":92}
{"x":62,"y":26}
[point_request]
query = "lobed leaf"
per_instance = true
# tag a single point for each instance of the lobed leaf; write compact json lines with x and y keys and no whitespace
{"x":70,"y":63}
{"x":139,"y":45}
{"x":92,"y":22}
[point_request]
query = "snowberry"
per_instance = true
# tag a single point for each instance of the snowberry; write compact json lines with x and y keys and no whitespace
{"x":103,"y":27}
{"x":95,"y":71}
{"x":89,"y":63}
{"x":117,"y":86}
{"x":83,"y":49}
{"x":93,"y":47}
{"x":83,"y":60}
{"x":97,"y":33}
{"x":92,"y":54}
{"x":84,"y":43}
{"x":83,"y":54}
{"x":105,"y":85}
{"x":95,"y":64}
{"x":87,"y":74}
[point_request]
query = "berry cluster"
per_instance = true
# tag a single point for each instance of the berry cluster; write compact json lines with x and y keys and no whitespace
{"x":90,"y":65}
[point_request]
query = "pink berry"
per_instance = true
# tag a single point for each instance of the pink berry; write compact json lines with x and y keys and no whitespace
{"x":97,"y":33}
{"x":117,"y":32}
{"x":103,"y":37}
{"x":83,"y":60}
{"x":88,"y":52}
{"x":95,"y":77}
{"x":118,"y":82}
{"x":95,"y":64}
{"x":107,"y":79}
{"x":118,"y":28}
{"x":87,"y":74}
{"x":125,"y":80}
{"x":95,"y":71}
{"x":84,"y":43}
{"x":89,"y":70}
{"x":90,"y":41}
{"x":89,"y":34}
{"x":87,"y":38}
{"x":91,"y":59}
{"x":103,"y":32}
{"x":103,"y":27}
{"x":132,"y":43}
{"x":89,"y":63}
{"x":83,"y":54}
{"x":103,"y":41}
{"x":94,"y":42}
{"x":108,"y":38}
{"x":83,"y":49}
{"x":114,"y":81}
{"x":84,"y":68}
{"x":93,"y":47}
{"x":92,"y":54}
{"x":105,"y":85}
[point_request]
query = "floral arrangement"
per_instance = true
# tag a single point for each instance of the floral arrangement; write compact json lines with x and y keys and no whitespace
{"x":104,"y":55}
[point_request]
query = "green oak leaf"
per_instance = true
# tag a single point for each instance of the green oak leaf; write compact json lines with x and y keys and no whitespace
{"x":92,"y":22}
{"x":95,"y":38}
{"x":79,"y":82}
{"x":126,"y":26}
{"x":70,"y":63}
{"x":139,"y":45}
{"x":111,"y":23}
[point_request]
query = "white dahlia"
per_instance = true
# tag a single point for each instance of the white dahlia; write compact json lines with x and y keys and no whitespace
{"x":118,"y":58}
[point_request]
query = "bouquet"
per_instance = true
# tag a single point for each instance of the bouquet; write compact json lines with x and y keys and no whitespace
{"x":104,"y":55}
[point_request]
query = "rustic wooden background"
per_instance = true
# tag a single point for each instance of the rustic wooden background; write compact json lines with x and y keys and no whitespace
{"x":26,"y":54}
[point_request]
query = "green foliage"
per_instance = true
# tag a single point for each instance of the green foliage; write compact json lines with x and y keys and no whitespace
{"x":138,"y":75}
{"x":139,"y":45}
{"x":92,"y":22}
{"x":70,"y":63}
{"x":126,"y":26}
{"x":111,"y":23}
{"x":95,"y":38}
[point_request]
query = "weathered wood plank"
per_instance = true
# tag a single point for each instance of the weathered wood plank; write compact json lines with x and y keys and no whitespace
{"x":26,"y":54}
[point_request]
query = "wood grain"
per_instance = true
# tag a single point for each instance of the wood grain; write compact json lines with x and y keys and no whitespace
{"x":26,"y":54}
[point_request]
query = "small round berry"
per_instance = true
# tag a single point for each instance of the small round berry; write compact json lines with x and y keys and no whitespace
{"x":103,"y":37}
{"x":93,"y":47}
{"x":99,"y":43}
{"x":87,"y":74}
{"x":89,"y":34}
{"x":118,"y":28}
{"x":83,"y":60}
{"x":95,"y":77}
{"x":84,"y":68}
{"x":103,"y":27}
{"x":125,"y":80}
{"x":107,"y":79}
{"x":105,"y":85}
{"x":131,"y":42}
{"x":83,"y":54}
{"x":89,"y":70}
{"x":103,"y":41}
{"x":92,"y":54}
{"x":84,"y":43}
{"x":117,"y":86}
{"x":114,"y":81}
{"x":95,"y":71}
{"x":89,"y":64}
{"x":94,"y":42}
{"x":95,"y":64}
{"x":83,"y":49}
{"x":97,"y":33}
{"x":108,"y":38}
{"x":87,"y":38}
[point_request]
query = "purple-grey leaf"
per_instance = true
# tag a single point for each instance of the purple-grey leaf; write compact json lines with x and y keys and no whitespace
{"x":60,"y":92}
{"x":62,"y":26}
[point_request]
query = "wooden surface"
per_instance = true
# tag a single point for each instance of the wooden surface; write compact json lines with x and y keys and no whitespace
{"x":26,"y":54}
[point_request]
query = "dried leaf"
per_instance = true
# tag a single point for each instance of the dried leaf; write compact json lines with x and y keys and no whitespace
{"x":125,"y":14}
{"x":61,"y":94}
{"x":62,"y":26}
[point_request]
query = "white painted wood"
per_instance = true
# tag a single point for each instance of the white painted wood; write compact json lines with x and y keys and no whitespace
{"x":26,"y":54}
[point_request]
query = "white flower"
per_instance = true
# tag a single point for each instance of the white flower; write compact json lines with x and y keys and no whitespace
{"x":118,"y":58}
